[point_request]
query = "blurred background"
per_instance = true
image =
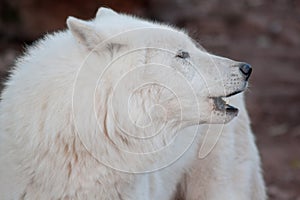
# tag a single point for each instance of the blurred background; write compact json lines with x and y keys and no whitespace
{"x":264,"y":33}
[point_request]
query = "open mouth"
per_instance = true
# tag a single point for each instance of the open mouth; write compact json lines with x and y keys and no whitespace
{"x":221,"y":104}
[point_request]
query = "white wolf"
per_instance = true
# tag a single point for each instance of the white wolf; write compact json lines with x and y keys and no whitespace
{"x":110,"y":109}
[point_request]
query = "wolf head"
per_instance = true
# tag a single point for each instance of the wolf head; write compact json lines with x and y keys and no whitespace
{"x":149,"y":76}
{"x":160,"y":60}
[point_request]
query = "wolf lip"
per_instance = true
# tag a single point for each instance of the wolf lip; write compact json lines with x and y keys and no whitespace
{"x":234,"y":93}
{"x":230,"y":108}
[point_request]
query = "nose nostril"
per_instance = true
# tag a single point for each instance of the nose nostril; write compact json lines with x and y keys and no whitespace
{"x":246,"y":70}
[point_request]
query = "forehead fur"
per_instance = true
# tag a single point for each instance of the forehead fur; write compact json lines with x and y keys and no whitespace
{"x":110,"y":24}
{"x":123,"y":22}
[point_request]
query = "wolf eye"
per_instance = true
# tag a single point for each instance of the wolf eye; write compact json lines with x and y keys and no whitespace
{"x":182,"y":54}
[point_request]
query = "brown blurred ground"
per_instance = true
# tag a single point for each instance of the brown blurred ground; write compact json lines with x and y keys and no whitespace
{"x":265,"y":33}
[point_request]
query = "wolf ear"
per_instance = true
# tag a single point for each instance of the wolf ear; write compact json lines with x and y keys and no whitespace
{"x":105,"y":11}
{"x":83,"y":32}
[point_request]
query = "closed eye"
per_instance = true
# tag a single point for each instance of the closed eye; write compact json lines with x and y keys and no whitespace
{"x":182,"y":54}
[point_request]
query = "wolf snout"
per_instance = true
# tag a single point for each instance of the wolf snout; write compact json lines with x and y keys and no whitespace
{"x":246,"y":70}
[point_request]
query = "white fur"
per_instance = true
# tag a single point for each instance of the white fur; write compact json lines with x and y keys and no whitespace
{"x":63,"y":117}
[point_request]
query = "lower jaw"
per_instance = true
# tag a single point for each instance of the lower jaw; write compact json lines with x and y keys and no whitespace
{"x":224,"y":115}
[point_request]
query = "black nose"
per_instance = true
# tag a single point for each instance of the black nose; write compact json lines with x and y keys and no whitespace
{"x":246,"y":70}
